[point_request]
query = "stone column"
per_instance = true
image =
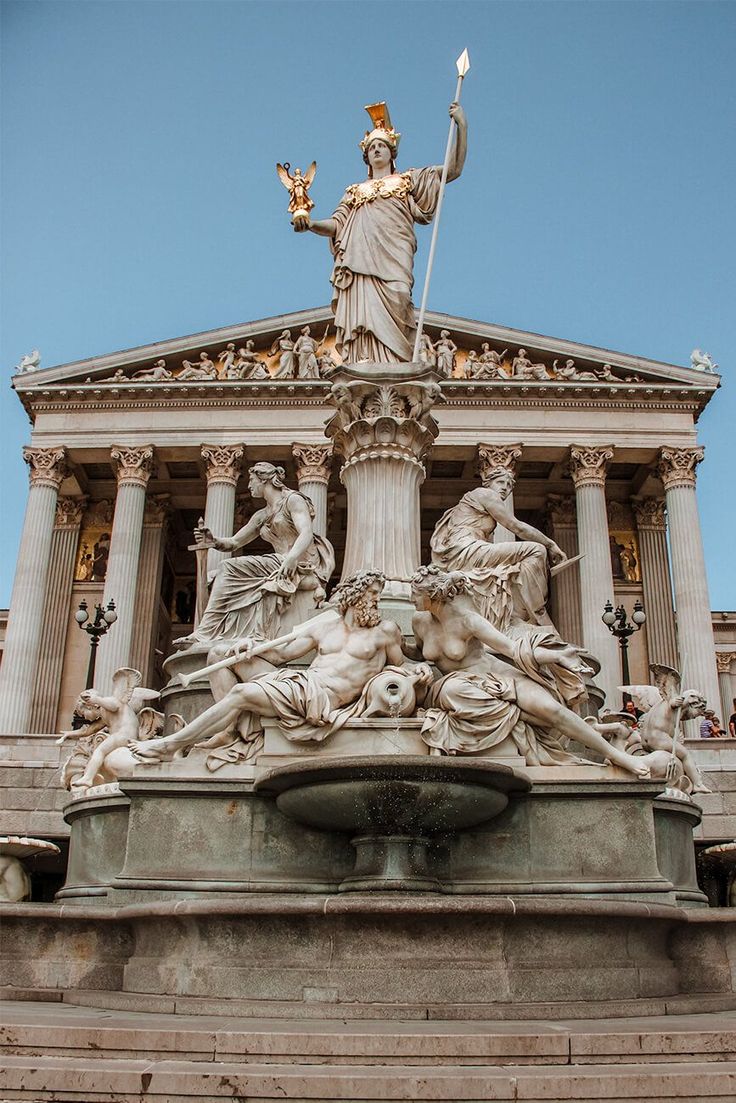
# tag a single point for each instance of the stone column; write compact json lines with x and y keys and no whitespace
{"x":491,"y":457}
{"x":148,"y":593}
{"x":725,"y":685}
{"x":565,"y":587}
{"x":383,"y":432}
{"x":27,"y":603}
{"x":694,"y":626}
{"x":313,"y":469}
{"x":588,"y":468}
{"x":655,"y":580}
{"x":223,"y":471}
{"x":133,"y":467}
{"x":64,"y":542}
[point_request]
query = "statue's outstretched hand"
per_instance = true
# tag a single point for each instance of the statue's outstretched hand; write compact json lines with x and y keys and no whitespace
{"x":301,"y":222}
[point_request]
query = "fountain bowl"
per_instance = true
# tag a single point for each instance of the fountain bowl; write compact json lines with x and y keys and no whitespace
{"x":394,"y":807}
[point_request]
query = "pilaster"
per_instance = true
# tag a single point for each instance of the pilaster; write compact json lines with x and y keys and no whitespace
{"x":565,"y":587}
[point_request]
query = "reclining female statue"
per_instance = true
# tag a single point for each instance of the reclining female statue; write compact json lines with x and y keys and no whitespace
{"x":481,"y":700}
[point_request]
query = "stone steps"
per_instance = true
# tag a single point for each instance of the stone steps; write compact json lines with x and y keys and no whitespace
{"x":31,"y":794}
{"x":57,"y":1051}
{"x":170,"y":1081}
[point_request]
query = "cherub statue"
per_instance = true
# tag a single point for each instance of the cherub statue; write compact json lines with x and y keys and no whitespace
{"x":621,"y":731}
{"x":120,"y":718}
{"x":422,"y":399}
{"x":298,"y":187}
{"x":30,"y":362}
{"x":665,"y":705}
{"x":702,"y":361}
{"x":159,"y":373}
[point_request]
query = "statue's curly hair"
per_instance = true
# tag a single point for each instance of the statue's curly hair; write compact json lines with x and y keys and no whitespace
{"x":353,"y":588}
{"x":269,"y":473}
{"x":440,"y":585}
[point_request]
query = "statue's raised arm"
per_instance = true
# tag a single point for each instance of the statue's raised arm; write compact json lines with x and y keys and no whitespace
{"x":373,"y":241}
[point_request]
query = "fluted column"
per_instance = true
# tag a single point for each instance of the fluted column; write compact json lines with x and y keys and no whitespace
{"x":27,"y":603}
{"x":565,"y":587}
{"x":725,"y":685}
{"x":150,"y":565}
{"x":64,"y":543}
{"x":655,"y":579}
{"x":223,"y":471}
{"x":494,"y":457}
{"x":133,"y":467}
{"x":383,"y":434}
{"x":694,"y":626}
{"x":313,"y":469}
{"x":588,"y":468}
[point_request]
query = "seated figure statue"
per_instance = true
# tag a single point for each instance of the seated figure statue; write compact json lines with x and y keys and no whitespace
{"x":250,"y":592}
{"x":480,"y":700}
{"x":509,"y":578}
{"x":354,"y":647}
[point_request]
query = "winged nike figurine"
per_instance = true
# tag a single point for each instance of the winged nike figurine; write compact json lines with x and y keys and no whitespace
{"x":298,"y":187}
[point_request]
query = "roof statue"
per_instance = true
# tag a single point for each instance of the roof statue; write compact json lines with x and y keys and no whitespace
{"x":373,"y":240}
{"x":702,"y":361}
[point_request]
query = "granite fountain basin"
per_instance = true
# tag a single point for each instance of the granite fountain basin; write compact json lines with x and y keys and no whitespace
{"x":393,"y":806}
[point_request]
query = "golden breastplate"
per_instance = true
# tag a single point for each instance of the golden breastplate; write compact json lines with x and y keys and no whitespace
{"x":397,"y":186}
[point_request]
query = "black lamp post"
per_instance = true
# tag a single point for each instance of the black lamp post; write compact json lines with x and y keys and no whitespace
{"x":618,"y":624}
{"x":96,"y":629}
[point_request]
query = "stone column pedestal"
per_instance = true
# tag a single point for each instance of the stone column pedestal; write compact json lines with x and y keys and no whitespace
{"x":492,"y":457}
{"x":676,"y":469}
{"x":133,"y":469}
{"x":313,"y":469}
{"x":588,"y":468}
{"x":656,"y":582}
{"x":27,"y":603}
{"x":69,"y":512}
{"x":223,"y":471}
{"x":383,"y":431}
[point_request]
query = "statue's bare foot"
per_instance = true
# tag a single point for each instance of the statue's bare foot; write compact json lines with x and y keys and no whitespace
{"x":154,"y":750}
{"x":629,"y":762}
{"x":701,"y":788}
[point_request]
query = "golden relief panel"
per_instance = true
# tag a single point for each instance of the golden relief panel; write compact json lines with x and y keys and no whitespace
{"x":625,"y":558}
{"x":92,"y":554}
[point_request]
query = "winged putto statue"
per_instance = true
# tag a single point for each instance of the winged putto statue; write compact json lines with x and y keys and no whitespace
{"x":298,"y":187}
{"x":112,"y":722}
{"x":665,"y":704}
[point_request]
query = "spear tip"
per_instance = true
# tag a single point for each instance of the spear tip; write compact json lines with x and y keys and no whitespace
{"x":463,"y":63}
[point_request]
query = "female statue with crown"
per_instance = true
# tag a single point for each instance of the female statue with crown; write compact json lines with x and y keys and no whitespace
{"x":373,"y":242}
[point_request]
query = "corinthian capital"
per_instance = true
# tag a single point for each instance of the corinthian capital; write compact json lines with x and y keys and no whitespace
{"x":69,"y":512}
{"x":223,"y":462}
{"x":724,"y":660}
{"x":157,"y":510}
{"x":498,"y":457}
{"x":313,"y":462}
{"x":132,"y":465}
{"x":588,"y":466}
{"x":650,"y":513}
{"x":562,"y":511}
{"x":47,"y":466}
{"x":676,"y":466}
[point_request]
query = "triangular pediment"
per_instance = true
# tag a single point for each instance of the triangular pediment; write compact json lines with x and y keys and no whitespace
{"x":486,"y":354}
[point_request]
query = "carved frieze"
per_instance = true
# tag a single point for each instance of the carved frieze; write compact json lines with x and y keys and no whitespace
{"x":588,"y":465}
{"x":132,"y":465}
{"x":47,"y":466}
{"x":223,"y":462}
{"x":677,"y":466}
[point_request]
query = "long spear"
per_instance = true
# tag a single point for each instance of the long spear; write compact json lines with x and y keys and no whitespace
{"x":463,"y":65}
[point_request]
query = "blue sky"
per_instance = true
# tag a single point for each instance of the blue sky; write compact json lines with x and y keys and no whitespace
{"x":140,"y":202}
